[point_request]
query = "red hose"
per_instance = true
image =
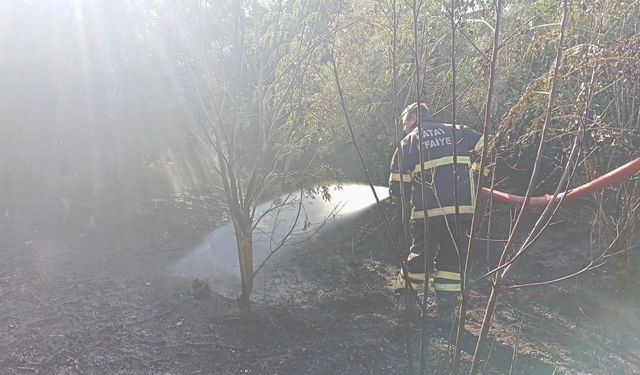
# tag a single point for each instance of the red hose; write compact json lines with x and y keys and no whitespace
{"x":612,"y":177}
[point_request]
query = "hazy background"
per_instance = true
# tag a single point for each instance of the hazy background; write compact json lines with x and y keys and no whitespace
{"x":91,"y":118}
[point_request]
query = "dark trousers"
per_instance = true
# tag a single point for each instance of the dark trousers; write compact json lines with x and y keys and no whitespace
{"x":444,"y":256}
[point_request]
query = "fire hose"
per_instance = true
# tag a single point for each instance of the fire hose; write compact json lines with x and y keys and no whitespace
{"x":616,"y":175}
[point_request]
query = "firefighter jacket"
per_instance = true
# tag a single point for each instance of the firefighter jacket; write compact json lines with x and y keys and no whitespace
{"x":437,"y":165}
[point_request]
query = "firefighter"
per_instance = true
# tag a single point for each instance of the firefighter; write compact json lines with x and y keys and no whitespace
{"x":438,"y":206}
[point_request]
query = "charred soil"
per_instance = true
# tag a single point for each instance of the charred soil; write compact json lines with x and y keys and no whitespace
{"x":102,"y":302}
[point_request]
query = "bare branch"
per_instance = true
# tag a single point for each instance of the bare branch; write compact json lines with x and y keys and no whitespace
{"x":475,"y":220}
{"x":284,"y":238}
{"x":498,"y":281}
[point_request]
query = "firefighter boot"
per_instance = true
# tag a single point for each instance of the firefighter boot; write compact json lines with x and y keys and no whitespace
{"x":447,"y":303}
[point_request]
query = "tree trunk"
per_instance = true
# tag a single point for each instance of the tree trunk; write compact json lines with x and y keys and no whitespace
{"x":244,"y":240}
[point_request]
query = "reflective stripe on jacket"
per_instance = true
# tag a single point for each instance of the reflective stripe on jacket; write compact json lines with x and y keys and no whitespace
{"x":437,"y":163}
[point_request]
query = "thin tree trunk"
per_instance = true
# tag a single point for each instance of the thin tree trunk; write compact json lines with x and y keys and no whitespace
{"x":424,"y":342}
{"x":497,"y":285}
{"x":488,"y":131}
{"x":244,"y":240}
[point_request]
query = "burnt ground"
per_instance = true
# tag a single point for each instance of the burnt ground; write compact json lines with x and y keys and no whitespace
{"x":76,"y":300}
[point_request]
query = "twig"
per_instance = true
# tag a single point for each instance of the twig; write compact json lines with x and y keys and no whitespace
{"x":425,"y":222}
{"x":156,"y":316}
{"x":486,"y":362}
{"x":475,"y":220}
{"x":284,"y":238}
{"x":27,"y":369}
{"x":216,"y":344}
{"x":515,"y":350}
{"x":146,"y":341}
{"x":359,"y":153}
{"x":40,"y":301}
{"x":584,"y":314}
